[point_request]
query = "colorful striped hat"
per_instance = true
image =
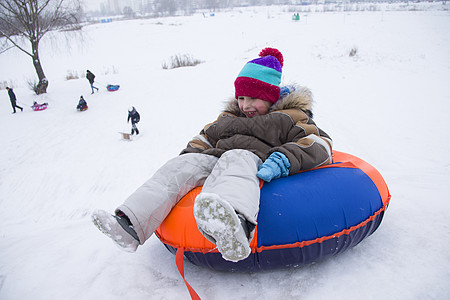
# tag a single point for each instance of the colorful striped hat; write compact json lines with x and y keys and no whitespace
{"x":260,"y":78}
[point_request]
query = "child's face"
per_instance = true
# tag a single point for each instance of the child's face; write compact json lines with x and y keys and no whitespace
{"x":253,"y":107}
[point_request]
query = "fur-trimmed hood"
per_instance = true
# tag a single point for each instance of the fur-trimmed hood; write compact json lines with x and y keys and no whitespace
{"x":299,"y":98}
{"x":287,"y":128}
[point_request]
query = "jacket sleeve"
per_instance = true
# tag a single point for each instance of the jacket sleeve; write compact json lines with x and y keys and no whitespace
{"x":291,"y":132}
{"x":198,"y":144}
{"x":201,"y":142}
{"x":309,"y":147}
{"x":271,"y":128}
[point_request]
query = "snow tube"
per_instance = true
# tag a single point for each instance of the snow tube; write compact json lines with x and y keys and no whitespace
{"x":112,"y":87}
{"x":38,"y":107}
{"x":303,"y":218}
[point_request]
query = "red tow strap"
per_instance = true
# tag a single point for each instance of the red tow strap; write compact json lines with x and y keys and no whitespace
{"x":179,"y":261}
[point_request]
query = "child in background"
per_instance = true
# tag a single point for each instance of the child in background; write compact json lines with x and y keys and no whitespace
{"x":36,"y":106}
{"x":82,"y":105}
{"x":264,"y":132}
{"x":134,"y":116}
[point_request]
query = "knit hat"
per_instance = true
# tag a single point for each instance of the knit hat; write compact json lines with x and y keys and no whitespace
{"x":260,"y":78}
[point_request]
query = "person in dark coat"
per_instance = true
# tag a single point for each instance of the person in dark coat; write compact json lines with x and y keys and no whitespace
{"x":13,"y":99}
{"x":134,"y":116}
{"x":82,"y":105}
{"x":90,"y":77}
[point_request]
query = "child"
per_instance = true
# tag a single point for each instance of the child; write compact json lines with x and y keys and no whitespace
{"x":262,"y":133}
{"x":134,"y":116}
{"x":82,"y":105}
{"x":36,"y":106}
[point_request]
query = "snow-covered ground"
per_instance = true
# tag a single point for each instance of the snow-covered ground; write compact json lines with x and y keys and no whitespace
{"x":389,"y":104}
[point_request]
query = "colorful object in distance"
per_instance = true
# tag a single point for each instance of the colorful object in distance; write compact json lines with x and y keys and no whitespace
{"x":37,"y":107}
{"x":112,"y":87}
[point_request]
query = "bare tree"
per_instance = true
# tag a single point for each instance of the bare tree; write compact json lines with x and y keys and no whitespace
{"x":31,"y":20}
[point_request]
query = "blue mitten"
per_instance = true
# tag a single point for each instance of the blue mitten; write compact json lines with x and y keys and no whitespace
{"x":276,"y":165}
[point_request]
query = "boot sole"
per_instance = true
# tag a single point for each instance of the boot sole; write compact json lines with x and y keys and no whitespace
{"x":117,"y":238}
{"x":218,"y":219}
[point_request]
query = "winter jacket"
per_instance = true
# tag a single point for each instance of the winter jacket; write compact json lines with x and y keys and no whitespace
{"x":12,"y":96}
{"x":90,"y":76}
{"x":82,"y":103}
{"x":134,"y":117}
{"x":288,"y":127}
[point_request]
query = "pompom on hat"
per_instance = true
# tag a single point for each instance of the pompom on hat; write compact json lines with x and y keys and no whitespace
{"x":261,"y":77}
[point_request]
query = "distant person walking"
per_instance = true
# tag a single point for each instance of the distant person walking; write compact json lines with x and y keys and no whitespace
{"x":90,"y":76}
{"x":134,"y":116}
{"x":13,"y":99}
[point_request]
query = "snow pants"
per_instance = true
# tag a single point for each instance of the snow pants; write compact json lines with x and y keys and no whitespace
{"x":93,"y":87}
{"x":232,"y":177}
{"x":14,"y":105}
{"x":134,"y":128}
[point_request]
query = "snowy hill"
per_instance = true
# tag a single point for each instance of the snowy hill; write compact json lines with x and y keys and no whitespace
{"x":388,"y":104}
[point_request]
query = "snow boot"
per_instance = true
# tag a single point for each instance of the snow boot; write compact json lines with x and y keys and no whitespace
{"x":125,"y":222}
{"x":247,"y":226}
{"x":218,"y":221}
{"x":112,"y":227}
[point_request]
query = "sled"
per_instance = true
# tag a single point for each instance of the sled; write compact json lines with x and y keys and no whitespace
{"x":83,"y":108}
{"x":39,"y":107}
{"x":112,"y":87}
{"x":126,"y":136}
